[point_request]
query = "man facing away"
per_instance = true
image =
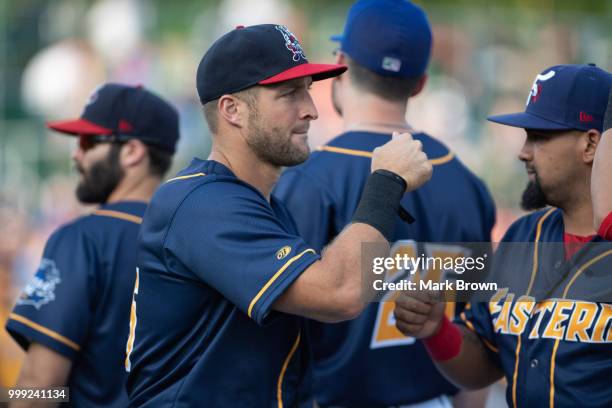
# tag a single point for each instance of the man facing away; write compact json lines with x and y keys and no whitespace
{"x":366,"y":361}
{"x":72,"y":319}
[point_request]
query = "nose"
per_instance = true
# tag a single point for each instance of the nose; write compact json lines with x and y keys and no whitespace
{"x":526,"y":153}
{"x":309,"y":110}
{"x":77,"y":154}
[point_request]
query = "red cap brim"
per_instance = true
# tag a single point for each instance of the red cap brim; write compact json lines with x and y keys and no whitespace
{"x":316,"y":71}
{"x":78,"y":127}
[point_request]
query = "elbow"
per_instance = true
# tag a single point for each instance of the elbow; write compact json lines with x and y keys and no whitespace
{"x":347,"y":305}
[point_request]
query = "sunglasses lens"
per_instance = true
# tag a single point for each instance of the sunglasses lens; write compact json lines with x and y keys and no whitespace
{"x":86,"y":142}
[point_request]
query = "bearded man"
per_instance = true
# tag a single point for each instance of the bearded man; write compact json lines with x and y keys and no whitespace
{"x":72,"y":319}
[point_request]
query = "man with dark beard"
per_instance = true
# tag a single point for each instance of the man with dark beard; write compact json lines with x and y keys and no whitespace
{"x":547,"y":333}
{"x":223,"y":277}
{"x":73,"y":318}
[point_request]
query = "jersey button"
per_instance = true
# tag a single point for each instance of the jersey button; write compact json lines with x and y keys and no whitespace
{"x":534,"y":363}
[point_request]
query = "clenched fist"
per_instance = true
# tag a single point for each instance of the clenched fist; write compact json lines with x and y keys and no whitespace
{"x":403,"y":156}
{"x":418,"y":313}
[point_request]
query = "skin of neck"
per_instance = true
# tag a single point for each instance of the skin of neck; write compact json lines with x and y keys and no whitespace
{"x":578,"y":209}
{"x":367,"y":111}
{"x":230,"y":148}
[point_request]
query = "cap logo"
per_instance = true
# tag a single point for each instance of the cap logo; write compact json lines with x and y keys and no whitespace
{"x":586,"y":117}
{"x":125,"y":126}
{"x":283,"y":252}
{"x":291,"y":42}
{"x":92,"y":98}
{"x":391,"y":64}
{"x":536,"y":88}
{"x":94,"y":95}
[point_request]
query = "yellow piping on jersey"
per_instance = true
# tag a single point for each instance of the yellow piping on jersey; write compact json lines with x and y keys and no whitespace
{"x":470,"y":326}
{"x":516,"y":366}
{"x":534,"y":271}
{"x":188,"y":176}
{"x":582,"y":269}
{"x":274,"y":277}
{"x":364,"y":153}
{"x":279,"y":390}
{"x":48,"y":332}
{"x":556,"y":346}
{"x":120,"y":215}
{"x":552,"y":374}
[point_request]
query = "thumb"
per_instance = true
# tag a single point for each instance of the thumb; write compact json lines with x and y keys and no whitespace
{"x":437,"y":311}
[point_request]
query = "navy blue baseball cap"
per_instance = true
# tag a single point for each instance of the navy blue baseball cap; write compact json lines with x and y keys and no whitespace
{"x":389,"y":37}
{"x":564,"y":97}
{"x":128,"y":112}
{"x":256,"y":55}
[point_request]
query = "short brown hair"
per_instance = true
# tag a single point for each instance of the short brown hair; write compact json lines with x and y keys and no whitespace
{"x":210,"y":108}
{"x":160,"y":160}
{"x":392,"y":88}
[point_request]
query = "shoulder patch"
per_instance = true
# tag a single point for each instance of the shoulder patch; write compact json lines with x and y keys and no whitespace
{"x":41,"y":290}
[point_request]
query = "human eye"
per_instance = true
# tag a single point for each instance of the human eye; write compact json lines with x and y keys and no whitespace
{"x":289,"y":93}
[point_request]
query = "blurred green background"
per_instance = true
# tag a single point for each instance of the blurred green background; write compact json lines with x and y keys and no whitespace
{"x":53,"y":53}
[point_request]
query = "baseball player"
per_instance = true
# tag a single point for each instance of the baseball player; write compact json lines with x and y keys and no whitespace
{"x":223,"y":276}
{"x":367,"y":361}
{"x":602,"y":171}
{"x":552,"y":351}
{"x":72,"y":319}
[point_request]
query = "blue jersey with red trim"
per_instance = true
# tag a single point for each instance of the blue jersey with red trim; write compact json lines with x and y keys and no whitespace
{"x":367,"y":361}
{"x":214,"y":255}
{"x":553,"y":351}
{"x":78,"y":302}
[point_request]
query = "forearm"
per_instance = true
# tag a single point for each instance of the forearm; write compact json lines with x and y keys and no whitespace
{"x":472,"y":368}
{"x":330,"y":290}
{"x":601,"y":179}
{"x":347,"y":263}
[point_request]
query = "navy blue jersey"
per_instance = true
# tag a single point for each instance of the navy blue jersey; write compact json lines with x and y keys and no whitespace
{"x":78,"y":302}
{"x":214,"y":255}
{"x":367,"y":361}
{"x":552,"y":352}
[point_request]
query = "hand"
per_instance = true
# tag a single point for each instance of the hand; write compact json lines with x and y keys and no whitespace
{"x":403,"y":156}
{"x":418,"y":314}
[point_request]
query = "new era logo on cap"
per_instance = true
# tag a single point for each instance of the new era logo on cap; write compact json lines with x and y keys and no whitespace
{"x":391,"y":64}
{"x":564,"y":97}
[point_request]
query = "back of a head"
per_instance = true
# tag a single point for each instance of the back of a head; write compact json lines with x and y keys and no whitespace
{"x":388,"y":44}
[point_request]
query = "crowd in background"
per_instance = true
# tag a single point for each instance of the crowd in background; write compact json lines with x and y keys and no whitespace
{"x":54,"y":53}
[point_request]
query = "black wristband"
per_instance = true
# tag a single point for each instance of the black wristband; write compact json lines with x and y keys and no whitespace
{"x":607,"y":123}
{"x":380,"y":202}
